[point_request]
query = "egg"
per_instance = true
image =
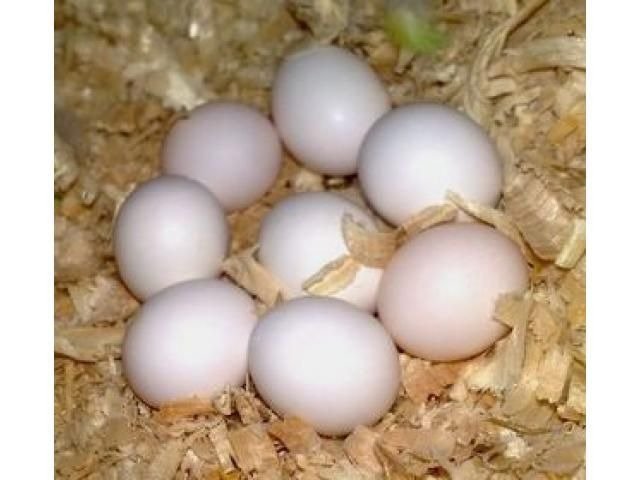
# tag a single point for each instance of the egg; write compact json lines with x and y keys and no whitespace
{"x":326,"y":362}
{"x":189,"y":341}
{"x":438,"y":293}
{"x":303,"y":233}
{"x":170,"y":229}
{"x":415,"y":153}
{"x":230,"y":147}
{"x":324,"y":100}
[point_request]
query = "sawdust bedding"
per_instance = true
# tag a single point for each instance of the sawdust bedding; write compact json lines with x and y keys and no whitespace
{"x":126,"y":70}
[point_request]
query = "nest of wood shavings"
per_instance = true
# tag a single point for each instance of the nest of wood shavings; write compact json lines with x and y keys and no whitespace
{"x":126,"y":70}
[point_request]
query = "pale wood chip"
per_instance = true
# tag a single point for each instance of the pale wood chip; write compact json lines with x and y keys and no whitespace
{"x":360,"y":448}
{"x":372,"y":249}
{"x":250,"y":274}
{"x":88,"y":344}
{"x":253,"y":450}
{"x":501,"y":370}
{"x":102,"y":299}
{"x":219,"y":436}
{"x":421,"y":378}
{"x":493,"y":217}
{"x":171,"y":412}
{"x":296,"y":435}
{"x":576,"y":397}
{"x":542,"y":53}
{"x":334,"y":277}
{"x":539,"y":215}
{"x":427,"y":218}
{"x":553,"y":373}
{"x":575,"y":245}
{"x":167,"y":460}
{"x":245,"y":406}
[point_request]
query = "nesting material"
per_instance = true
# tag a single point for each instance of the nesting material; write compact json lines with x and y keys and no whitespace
{"x":126,"y":72}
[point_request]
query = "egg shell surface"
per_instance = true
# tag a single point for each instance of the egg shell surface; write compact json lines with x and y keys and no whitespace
{"x":230,"y":147}
{"x":325,"y":99}
{"x":326,"y":362}
{"x":438,"y":293}
{"x":168,"y":230}
{"x":190,"y":340}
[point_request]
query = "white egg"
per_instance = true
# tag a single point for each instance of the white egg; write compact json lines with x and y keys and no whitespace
{"x":170,"y":229}
{"x":326,"y":362}
{"x":190,"y":340}
{"x":230,"y":147}
{"x":438,"y":293}
{"x":415,"y":153}
{"x":303,"y":232}
{"x":324,"y":101}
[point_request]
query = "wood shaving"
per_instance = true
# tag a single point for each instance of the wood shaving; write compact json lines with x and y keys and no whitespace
{"x":372,"y":249}
{"x":88,"y":344}
{"x":177,"y":410}
{"x":253,"y":450}
{"x":422,"y":379}
{"x":427,"y":218}
{"x":296,"y":435}
{"x":334,"y":277}
{"x":102,"y":299}
{"x":251,"y":275}
{"x":360,"y":448}
{"x":539,"y":215}
{"x":493,"y":217}
{"x":501,"y":370}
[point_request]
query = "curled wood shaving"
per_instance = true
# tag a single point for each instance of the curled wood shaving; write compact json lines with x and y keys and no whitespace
{"x":360,"y":448}
{"x":372,"y":249}
{"x":573,"y":121}
{"x":171,"y":412}
{"x":253,"y":450}
{"x":543,"y":53}
{"x":575,"y":245}
{"x":421,"y":378}
{"x":432,"y":445}
{"x":576,"y":396}
{"x":474,"y":95}
{"x":247,"y":272}
{"x":427,"y":218}
{"x":565,"y":455}
{"x":245,"y":405}
{"x":539,"y":215}
{"x":167,"y":460}
{"x":493,"y":217}
{"x":297,"y":436}
{"x":334,"y":277}
{"x":89,"y":344}
{"x":219,"y":436}
{"x":553,"y":373}
{"x":501,"y":370}
{"x":102,"y":299}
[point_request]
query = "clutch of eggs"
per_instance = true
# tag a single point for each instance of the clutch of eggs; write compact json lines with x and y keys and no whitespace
{"x":327,"y":360}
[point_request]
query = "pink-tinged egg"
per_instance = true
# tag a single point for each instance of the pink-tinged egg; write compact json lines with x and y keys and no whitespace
{"x":303,"y":233}
{"x":324,"y":101}
{"x":438,"y":293}
{"x":326,"y":362}
{"x":230,"y":147}
{"x":189,"y":341}
{"x":415,"y":153}
{"x":170,"y":229}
